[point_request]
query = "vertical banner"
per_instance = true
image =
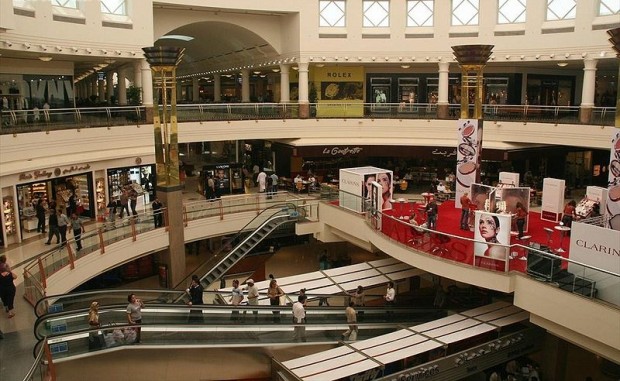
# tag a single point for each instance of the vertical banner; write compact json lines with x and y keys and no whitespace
{"x":491,"y":229}
{"x":469,"y":147}
{"x":552,"y":199}
{"x":612,"y":207}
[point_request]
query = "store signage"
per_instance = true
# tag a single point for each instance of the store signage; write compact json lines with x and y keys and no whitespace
{"x":444,"y":153}
{"x":43,"y":173}
{"x":337,"y":151}
{"x":339,"y":75}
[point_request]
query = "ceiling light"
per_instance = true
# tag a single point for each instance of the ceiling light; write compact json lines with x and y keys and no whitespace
{"x":45,"y":58}
{"x":176,"y":37}
{"x":562,"y":64}
{"x":275,"y":70}
{"x":405,"y":66}
{"x":257,"y":72}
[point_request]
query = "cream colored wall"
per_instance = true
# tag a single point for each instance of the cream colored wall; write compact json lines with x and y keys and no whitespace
{"x":43,"y":30}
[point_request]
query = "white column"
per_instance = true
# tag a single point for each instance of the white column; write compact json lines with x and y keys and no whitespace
{"x":122,"y":87}
{"x":444,"y":71}
{"x":217,"y":88}
{"x":303,"y":82}
{"x":245,"y":85}
{"x":109,"y":82}
{"x":589,"y":80}
{"x":285,"y":95}
{"x":195,"y":90}
{"x":137,"y":74}
{"x":147,"y":83}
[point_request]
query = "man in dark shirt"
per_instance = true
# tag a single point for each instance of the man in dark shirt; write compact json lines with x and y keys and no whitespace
{"x":431,"y":214}
{"x":465,"y":202}
{"x":53,"y":228}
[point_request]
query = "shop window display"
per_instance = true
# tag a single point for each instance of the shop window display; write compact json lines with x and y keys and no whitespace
{"x":8,"y":211}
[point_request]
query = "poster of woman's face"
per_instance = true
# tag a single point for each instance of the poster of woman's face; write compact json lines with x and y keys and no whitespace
{"x":385,"y":179}
{"x":367,"y":185}
{"x":512,"y":196}
{"x":491,"y":229}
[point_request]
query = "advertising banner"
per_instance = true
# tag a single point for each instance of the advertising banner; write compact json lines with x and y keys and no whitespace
{"x":598,"y":247}
{"x":350,"y":185}
{"x":513,"y":196}
{"x":491,"y":229}
{"x":469,"y":147}
{"x":356,"y":187}
{"x":509,"y":178}
{"x":552,"y":199}
{"x":612,"y":207}
{"x":483,"y":197}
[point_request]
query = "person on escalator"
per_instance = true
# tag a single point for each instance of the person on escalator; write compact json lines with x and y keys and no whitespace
{"x":134,"y":313}
{"x":195,"y":291}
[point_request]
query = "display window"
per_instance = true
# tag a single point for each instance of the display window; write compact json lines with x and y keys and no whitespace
{"x":144,"y":176}
{"x":228,"y":178}
{"x":71,"y":194}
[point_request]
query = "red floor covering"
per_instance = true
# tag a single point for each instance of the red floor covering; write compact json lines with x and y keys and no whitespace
{"x":462,"y":250}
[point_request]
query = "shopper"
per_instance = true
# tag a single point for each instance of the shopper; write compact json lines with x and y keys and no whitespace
{"x":252,"y":296}
{"x":465,"y":203}
{"x":521,"y":215}
{"x":134,"y":313}
{"x":124,"y":202}
{"x":63,"y":222}
{"x":54,"y":230}
{"x":299,"y":318}
{"x":158,"y":216}
{"x":351,"y":333}
{"x":195,"y":291}
{"x":7,"y":290}
{"x":95,"y":341}
{"x":569,"y":213}
{"x":389,"y":297}
{"x":431,"y":214}
{"x":236,"y":298}
{"x":133,"y":200}
{"x":40,"y":210}
{"x":274,"y":292}
{"x":78,"y":229}
{"x":4,"y":266}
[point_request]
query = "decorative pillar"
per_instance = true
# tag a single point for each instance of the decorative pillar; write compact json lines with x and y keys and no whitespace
{"x":443,"y":108}
{"x":217,"y":88}
{"x":587,"y":92}
{"x":196,"y":90}
{"x":137,"y":74}
{"x":472,"y":59}
{"x":122,"y":86}
{"x":285,"y":96}
{"x":109,"y":84}
{"x":164,"y":61}
{"x":245,"y":85}
{"x":304,"y":104}
{"x":147,"y":85}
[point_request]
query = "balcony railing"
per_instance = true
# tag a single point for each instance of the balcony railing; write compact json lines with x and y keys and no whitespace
{"x":22,"y":121}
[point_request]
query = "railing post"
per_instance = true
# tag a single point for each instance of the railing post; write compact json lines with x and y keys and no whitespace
{"x":132,"y":222}
{"x":71,"y":257}
{"x":101,"y":243}
{"x":42,"y":272}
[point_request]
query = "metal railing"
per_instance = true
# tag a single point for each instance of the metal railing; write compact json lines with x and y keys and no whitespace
{"x":22,"y":121}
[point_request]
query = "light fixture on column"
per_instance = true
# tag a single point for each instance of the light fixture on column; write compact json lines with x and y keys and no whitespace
{"x":584,"y":54}
{"x":551,"y":55}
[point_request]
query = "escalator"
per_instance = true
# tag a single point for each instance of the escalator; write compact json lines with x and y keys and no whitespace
{"x":165,"y":326}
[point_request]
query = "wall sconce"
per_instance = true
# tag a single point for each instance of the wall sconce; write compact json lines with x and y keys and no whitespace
{"x":336,"y":58}
{"x":359,"y":58}
{"x":567,"y":55}
{"x":275,"y":70}
{"x":522,"y":57}
{"x":551,"y":55}
{"x":602,"y":54}
{"x":507,"y":56}
{"x":428,"y":58}
{"x":413,"y":58}
{"x":310,"y":59}
{"x":59,"y":48}
{"x":323,"y":58}
{"x":118,"y":52}
{"x":104,"y":51}
{"x":346,"y":58}
{"x":373,"y":58}
{"x":387,"y":58}
{"x":583,"y":55}
{"x":8,"y":43}
{"x":27,"y":45}
{"x":44,"y":48}
{"x":493,"y":57}
{"x":538,"y":56}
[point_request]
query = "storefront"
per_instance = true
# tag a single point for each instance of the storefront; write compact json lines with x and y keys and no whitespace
{"x":229,"y":178}
{"x":142,"y":178}
{"x":58,"y":190}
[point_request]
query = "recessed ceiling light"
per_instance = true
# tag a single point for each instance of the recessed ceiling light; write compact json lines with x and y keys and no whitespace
{"x":562,"y":64}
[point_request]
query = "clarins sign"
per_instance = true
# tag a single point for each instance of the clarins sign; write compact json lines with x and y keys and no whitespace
{"x":342,"y":151}
{"x":598,"y":247}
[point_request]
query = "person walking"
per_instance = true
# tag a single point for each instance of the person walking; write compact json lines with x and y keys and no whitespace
{"x":78,"y":229}
{"x":7,"y":290}
{"x":299,"y":318}
{"x":94,"y":339}
{"x":389,"y":297}
{"x":236,"y":298}
{"x":274,"y":183}
{"x":54,"y":230}
{"x":133,"y":200}
{"x":351,"y":333}
{"x":252,"y":296}
{"x":521,"y":215}
{"x":124,"y":203}
{"x":40,"y":210}
{"x":134,"y":313}
{"x":63,"y":222}
{"x":158,"y":216}
{"x":465,"y":203}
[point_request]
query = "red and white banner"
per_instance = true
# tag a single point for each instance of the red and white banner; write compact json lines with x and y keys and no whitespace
{"x":612,"y":207}
{"x":468,"y":150}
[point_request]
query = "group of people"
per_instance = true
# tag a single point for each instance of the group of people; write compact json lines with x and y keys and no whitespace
{"x":58,"y":222}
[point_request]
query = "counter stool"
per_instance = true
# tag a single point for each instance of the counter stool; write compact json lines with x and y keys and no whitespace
{"x":549,"y":232}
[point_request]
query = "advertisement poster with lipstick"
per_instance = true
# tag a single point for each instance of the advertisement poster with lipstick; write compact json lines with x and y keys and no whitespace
{"x":612,"y":207}
{"x":468,"y":149}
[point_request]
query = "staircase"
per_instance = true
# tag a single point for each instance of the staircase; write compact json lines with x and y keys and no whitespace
{"x":246,"y":242}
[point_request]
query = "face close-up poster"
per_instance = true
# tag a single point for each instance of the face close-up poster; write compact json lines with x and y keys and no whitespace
{"x":491,"y":231}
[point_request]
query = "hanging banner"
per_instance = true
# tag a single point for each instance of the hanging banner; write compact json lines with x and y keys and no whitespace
{"x":612,"y":207}
{"x":469,"y":147}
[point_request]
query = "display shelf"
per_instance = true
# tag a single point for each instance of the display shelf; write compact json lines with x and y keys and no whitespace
{"x":100,"y":194}
{"x":9,"y":215}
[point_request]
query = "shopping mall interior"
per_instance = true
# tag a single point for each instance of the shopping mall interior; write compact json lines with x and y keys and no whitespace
{"x":375,"y":118}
